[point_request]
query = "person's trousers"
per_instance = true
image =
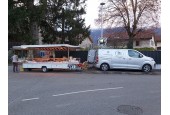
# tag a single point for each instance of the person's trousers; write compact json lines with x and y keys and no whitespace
{"x":15,"y":67}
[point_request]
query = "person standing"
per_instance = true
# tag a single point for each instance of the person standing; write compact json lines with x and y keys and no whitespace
{"x":15,"y":62}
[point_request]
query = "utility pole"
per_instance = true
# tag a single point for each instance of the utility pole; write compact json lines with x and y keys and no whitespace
{"x":102,"y":19}
{"x":102,"y":41}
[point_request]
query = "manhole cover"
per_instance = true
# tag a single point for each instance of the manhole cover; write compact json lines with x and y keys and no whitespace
{"x":129,"y":110}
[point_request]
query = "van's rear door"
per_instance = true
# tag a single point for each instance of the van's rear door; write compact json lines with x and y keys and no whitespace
{"x":91,"y":56}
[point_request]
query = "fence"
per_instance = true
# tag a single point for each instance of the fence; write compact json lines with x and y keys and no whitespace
{"x":156,"y":55}
{"x":76,"y":54}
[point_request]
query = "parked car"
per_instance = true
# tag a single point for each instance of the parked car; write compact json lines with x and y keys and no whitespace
{"x":106,"y":59}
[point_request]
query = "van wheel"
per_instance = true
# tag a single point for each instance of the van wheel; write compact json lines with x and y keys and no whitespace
{"x":146,"y":68}
{"x":44,"y":69}
{"x":104,"y":67}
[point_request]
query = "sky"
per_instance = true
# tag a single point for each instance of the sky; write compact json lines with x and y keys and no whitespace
{"x":92,"y":12}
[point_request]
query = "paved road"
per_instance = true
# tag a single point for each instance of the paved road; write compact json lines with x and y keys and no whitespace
{"x":78,"y":93}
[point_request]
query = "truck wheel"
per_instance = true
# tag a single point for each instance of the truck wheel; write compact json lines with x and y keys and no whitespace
{"x":104,"y":67}
{"x":44,"y":69}
{"x":146,"y":68}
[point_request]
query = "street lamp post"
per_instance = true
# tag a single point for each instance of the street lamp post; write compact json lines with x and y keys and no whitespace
{"x":102,"y":19}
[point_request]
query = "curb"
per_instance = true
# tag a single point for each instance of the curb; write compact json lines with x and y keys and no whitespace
{"x":114,"y":71}
{"x":122,"y":72}
{"x":118,"y":71}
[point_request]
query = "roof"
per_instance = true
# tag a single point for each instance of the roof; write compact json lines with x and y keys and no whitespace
{"x":158,"y":38}
{"x":90,"y":39}
{"x":143,"y":35}
{"x":46,"y":47}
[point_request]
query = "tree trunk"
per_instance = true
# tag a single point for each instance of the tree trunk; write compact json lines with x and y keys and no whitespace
{"x":63,"y":35}
{"x":130,"y":43}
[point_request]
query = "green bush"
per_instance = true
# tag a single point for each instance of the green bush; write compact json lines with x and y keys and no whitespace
{"x":145,"y":49}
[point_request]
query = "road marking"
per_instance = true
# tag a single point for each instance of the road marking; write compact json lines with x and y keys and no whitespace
{"x":30,"y":99}
{"x":114,"y":96}
{"x":87,"y":91}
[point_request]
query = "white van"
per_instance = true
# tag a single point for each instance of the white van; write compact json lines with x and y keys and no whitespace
{"x":106,"y":59}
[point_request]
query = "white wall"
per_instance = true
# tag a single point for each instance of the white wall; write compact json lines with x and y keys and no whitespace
{"x":158,"y":44}
{"x":85,"y":43}
{"x":145,"y":43}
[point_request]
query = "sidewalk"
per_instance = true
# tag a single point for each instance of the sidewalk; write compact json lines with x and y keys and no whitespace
{"x":91,"y":69}
{"x":158,"y":67}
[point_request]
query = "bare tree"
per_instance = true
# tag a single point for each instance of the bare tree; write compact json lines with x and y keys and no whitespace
{"x":133,"y":15}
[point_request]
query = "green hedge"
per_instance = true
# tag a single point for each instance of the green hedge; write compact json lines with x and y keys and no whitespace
{"x":145,"y":49}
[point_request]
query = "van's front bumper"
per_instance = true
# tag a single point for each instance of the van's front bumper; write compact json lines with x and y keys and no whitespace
{"x":153,"y":64}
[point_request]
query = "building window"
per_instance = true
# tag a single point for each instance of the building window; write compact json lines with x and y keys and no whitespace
{"x":137,"y":43}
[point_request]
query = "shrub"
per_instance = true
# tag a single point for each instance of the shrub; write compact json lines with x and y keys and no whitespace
{"x":145,"y":49}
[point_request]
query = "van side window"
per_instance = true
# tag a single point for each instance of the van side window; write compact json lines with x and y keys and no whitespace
{"x":133,"y":54}
{"x":118,"y":54}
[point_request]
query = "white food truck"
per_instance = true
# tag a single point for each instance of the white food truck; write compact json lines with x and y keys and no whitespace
{"x":47,"y":61}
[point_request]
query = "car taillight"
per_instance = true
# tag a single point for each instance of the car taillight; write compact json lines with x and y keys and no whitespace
{"x":97,"y":59}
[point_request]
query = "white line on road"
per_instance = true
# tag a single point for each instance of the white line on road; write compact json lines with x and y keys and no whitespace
{"x":87,"y":91}
{"x":114,"y":96}
{"x":30,"y":99}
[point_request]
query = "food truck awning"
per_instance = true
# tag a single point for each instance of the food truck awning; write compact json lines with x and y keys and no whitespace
{"x":59,"y":47}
